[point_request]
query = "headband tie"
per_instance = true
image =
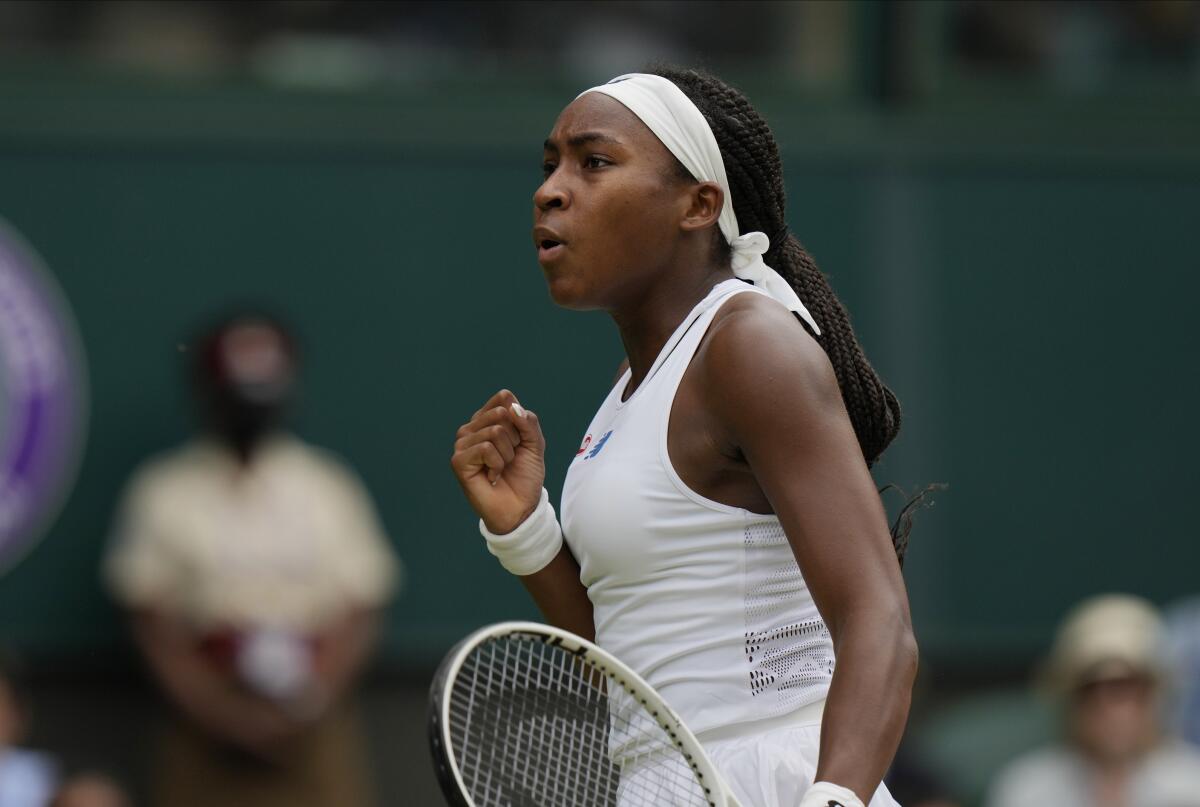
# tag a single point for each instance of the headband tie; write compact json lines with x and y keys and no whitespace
{"x":681,"y":127}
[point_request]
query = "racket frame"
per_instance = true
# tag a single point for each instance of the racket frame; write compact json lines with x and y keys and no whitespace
{"x":613,"y":669}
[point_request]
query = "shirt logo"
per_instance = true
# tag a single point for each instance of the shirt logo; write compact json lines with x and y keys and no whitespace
{"x":587,"y":441}
{"x":599,"y":445}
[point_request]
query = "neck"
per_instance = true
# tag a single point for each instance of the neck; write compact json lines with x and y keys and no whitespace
{"x":650,"y":317}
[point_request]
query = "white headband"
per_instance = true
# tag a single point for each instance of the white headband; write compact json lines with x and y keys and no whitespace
{"x":681,"y":127}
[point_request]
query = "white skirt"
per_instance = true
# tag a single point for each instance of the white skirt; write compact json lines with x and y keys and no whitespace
{"x":769,"y":763}
{"x":774,"y":767}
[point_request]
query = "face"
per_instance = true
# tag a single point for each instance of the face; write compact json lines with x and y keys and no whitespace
{"x":1115,"y":720}
{"x":607,"y":217}
{"x":253,"y":359}
{"x":250,"y":383}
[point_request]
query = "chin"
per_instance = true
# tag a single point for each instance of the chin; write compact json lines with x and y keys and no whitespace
{"x":568,"y":292}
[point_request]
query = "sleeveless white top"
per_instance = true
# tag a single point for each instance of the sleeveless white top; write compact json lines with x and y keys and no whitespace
{"x":704,"y":600}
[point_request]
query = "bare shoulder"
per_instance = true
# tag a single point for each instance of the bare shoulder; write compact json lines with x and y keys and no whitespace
{"x":755,"y":346}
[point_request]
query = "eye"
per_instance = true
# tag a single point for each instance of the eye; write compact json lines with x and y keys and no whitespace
{"x":595,"y":161}
{"x":548,"y":168}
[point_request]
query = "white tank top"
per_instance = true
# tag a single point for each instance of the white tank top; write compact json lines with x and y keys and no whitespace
{"x":703,"y":599}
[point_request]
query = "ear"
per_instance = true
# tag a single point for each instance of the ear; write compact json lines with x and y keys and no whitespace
{"x":705,"y":200}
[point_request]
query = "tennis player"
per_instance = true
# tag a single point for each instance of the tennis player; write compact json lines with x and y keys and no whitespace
{"x":723,"y":535}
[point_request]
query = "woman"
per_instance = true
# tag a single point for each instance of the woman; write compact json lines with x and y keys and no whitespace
{"x":1108,"y":672}
{"x":723,"y":533}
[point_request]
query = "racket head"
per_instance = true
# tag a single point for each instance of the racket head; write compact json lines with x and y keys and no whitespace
{"x":450,"y":712}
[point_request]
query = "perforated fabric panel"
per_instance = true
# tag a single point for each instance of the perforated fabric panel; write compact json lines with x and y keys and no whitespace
{"x":788,"y":649}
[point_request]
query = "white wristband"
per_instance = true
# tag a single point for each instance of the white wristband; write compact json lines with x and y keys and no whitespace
{"x":827,"y":794}
{"x":532,"y":545}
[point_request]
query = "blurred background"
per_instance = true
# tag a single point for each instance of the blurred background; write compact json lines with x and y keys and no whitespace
{"x":1006,"y":196}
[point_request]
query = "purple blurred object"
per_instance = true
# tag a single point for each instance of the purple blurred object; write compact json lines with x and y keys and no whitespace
{"x":43,"y":395}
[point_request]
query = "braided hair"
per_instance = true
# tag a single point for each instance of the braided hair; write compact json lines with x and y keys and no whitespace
{"x":755,"y":175}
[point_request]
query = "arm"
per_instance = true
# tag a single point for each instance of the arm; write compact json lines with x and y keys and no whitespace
{"x":775,"y":394}
{"x":499,"y":460}
{"x":212,"y":700}
{"x":221,"y":705}
{"x":343,"y":649}
{"x":561,"y":597}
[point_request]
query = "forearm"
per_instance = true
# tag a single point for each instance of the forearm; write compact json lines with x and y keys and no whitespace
{"x":499,"y":461}
{"x":560,"y":595}
{"x":345,"y":648}
{"x":203,"y":694}
{"x":868,"y":701}
{"x":219,"y":707}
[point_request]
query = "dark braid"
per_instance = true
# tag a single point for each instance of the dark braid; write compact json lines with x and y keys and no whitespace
{"x":756,"y":182}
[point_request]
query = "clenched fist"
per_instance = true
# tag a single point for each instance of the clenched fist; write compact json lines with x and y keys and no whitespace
{"x":499,"y":459}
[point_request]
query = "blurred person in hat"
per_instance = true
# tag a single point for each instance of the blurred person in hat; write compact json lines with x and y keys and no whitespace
{"x":1107,"y":670}
{"x":254,"y":568}
{"x":27,"y":777}
{"x":91,"y":789}
{"x":1183,"y":637}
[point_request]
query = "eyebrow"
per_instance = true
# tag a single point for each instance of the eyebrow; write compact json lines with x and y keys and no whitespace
{"x":584,"y":138}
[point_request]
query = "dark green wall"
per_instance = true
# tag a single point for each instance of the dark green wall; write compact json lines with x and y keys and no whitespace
{"x":1027,"y":288}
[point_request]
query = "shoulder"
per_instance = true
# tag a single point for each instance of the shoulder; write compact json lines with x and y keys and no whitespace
{"x":1035,"y":777}
{"x":756,"y":346}
{"x":162,"y":474}
{"x":1041,"y":761}
{"x":1177,"y":759}
{"x":28,"y":773}
{"x":315,"y":463}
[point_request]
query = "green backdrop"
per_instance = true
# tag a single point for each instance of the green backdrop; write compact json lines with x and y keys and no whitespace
{"x":1026,"y":283}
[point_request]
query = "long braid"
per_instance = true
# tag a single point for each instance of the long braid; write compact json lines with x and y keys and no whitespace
{"x":755,"y":175}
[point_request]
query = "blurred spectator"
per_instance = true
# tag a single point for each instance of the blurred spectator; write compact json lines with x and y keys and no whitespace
{"x":1083,"y":45}
{"x":254,"y":567}
{"x":914,"y":783}
{"x":27,"y":778}
{"x":1107,"y":669}
{"x":1183,"y":632}
{"x":90,"y":790}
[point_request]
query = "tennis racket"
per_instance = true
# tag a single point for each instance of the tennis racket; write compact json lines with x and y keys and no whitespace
{"x":526,"y":715}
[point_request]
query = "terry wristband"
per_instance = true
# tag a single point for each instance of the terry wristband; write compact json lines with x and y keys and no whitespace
{"x":827,"y":794}
{"x":532,"y":545}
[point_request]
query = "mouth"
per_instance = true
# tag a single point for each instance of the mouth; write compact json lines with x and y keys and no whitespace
{"x":549,"y":249}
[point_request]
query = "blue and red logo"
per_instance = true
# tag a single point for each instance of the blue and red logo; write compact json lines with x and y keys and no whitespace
{"x":596,"y":449}
{"x":42,"y":397}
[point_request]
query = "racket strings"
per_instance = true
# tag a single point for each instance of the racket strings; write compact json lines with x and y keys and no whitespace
{"x":533,"y":725}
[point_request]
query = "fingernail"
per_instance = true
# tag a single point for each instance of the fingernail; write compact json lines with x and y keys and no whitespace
{"x":518,"y":409}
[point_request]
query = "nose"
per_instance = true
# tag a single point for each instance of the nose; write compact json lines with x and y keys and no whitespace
{"x":550,"y":194}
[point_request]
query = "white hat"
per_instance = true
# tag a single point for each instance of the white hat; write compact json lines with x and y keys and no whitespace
{"x":1106,"y":636}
